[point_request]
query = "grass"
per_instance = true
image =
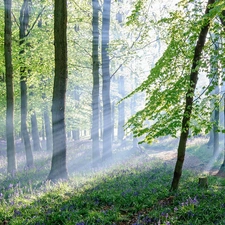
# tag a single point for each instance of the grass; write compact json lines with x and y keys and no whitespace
{"x":135,"y":192}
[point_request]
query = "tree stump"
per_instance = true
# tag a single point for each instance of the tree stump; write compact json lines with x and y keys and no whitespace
{"x":203,"y":182}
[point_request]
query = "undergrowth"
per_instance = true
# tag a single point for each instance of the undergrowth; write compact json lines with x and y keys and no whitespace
{"x":130,"y":193}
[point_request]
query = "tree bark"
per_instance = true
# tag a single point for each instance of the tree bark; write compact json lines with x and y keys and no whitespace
{"x":35,"y":134}
{"x":24,"y":23}
{"x":95,"y":90}
{"x":107,"y":117}
{"x":221,"y":171}
{"x":76,"y":134}
{"x":189,"y":101}
{"x":48,"y":130}
{"x":58,"y":165}
{"x":214,"y":71}
{"x":11,"y":155}
{"x":223,"y":164}
{"x":215,"y":132}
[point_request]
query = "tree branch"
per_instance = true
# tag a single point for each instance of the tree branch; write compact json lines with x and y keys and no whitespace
{"x":15,"y":20}
{"x":39,"y":14}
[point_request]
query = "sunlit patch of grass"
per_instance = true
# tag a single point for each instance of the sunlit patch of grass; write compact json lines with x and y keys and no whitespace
{"x":133,"y":192}
{"x":201,"y":151}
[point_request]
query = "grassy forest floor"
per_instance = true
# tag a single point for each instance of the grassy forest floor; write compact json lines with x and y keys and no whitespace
{"x":133,"y":188}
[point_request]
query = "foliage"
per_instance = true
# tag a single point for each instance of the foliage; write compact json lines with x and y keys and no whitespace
{"x":168,"y":81}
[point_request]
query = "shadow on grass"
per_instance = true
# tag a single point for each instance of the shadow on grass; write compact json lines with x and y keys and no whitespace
{"x":134,"y":191}
{"x":114,"y":197}
{"x":134,"y":194}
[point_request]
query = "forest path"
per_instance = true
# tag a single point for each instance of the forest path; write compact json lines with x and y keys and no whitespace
{"x":167,"y":152}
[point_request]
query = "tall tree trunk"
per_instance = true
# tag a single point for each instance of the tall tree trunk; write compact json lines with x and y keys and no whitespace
{"x":189,"y":101}
{"x":76,"y":134}
{"x":221,"y":171}
{"x":58,"y":165}
{"x":100,"y":122}
{"x":76,"y":131}
{"x":11,"y":155}
{"x":43,"y":128}
{"x":35,"y":134}
{"x":215,"y":132}
{"x":113,"y":119}
{"x":107,"y":117}
{"x":121,"y":109}
{"x":48,"y":130}
{"x":24,"y":23}
{"x":121,"y":91}
{"x":95,"y":90}
{"x":133,"y":106}
{"x":214,"y":71}
{"x":222,"y":168}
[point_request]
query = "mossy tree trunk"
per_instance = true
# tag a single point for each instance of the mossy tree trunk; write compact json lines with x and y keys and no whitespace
{"x":24,"y":24}
{"x":189,"y":101}
{"x":11,"y":155}
{"x":58,"y":165}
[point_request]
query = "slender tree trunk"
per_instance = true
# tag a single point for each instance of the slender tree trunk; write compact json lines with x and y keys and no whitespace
{"x":113,"y":120}
{"x":214,"y":71}
{"x":107,"y":117}
{"x":133,"y":106}
{"x":211,"y":134}
{"x":215,"y":132}
{"x":222,"y":168}
{"x":95,"y":90}
{"x":48,"y":130}
{"x":101,"y":122}
{"x":11,"y":155}
{"x":35,"y":134}
{"x":121,"y":109}
{"x":189,"y":101}
{"x":43,"y":128}
{"x":76,"y":134}
{"x":223,"y":164}
{"x":58,"y":166}
{"x":221,"y":171}
{"x":24,"y":21}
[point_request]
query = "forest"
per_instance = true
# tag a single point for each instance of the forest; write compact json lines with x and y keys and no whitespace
{"x":112,"y":112}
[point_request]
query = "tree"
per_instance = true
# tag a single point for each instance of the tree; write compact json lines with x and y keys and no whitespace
{"x":58,"y":165}
{"x":95,"y":90}
{"x":107,"y":117}
{"x":121,"y":108}
{"x":172,"y":106}
{"x":35,"y":134}
{"x":11,"y":156}
{"x":48,"y":130}
{"x":189,"y":100}
{"x":221,"y":171}
{"x":24,"y":71}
